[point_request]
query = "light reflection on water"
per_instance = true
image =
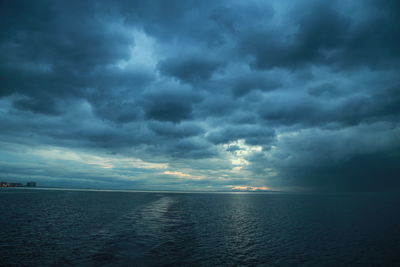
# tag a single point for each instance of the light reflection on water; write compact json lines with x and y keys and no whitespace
{"x":69,"y":228}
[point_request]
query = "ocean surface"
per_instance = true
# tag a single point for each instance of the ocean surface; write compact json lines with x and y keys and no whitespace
{"x":100,"y":228}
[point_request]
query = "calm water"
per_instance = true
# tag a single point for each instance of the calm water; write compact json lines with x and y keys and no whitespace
{"x":83,"y":228}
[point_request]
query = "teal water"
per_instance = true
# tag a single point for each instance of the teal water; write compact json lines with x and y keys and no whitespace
{"x":90,"y":228}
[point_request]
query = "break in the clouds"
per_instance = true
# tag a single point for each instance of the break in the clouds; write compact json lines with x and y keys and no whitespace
{"x":205,"y":95}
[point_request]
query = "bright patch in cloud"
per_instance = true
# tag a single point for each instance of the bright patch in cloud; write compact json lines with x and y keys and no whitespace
{"x":182,"y":175}
{"x":238,"y":156}
{"x":106,"y":162}
{"x":249,"y":188}
{"x":142,"y":52}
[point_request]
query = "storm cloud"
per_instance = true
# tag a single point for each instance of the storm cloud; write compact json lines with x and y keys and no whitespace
{"x":201,"y":95}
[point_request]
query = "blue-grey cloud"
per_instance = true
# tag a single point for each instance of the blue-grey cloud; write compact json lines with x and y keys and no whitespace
{"x":189,"y":70}
{"x":190,"y":94}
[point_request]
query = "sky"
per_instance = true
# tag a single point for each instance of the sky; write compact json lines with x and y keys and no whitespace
{"x":201,"y":95}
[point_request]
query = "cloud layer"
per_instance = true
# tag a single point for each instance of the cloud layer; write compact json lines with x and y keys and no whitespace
{"x":201,"y":95}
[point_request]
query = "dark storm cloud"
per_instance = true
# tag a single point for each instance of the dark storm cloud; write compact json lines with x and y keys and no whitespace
{"x":38,"y":105}
{"x":191,"y":148}
{"x":370,"y":172}
{"x":319,"y":32}
{"x":253,"y":135}
{"x":189,"y":70}
{"x":358,"y":158}
{"x":384,"y":104}
{"x":55,"y":50}
{"x":327,"y":34}
{"x":182,"y":82}
{"x":175,"y":130}
{"x":173,"y":105}
{"x":253,"y":81}
{"x":325,"y":90}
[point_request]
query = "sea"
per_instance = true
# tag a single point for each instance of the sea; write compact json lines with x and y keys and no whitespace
{"x":113,"y":228}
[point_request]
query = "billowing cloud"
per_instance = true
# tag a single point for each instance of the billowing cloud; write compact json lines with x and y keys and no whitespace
{"x":201,"y":95}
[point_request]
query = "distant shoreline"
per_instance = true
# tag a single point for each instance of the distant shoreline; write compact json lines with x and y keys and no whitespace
{"x":144,"y":191}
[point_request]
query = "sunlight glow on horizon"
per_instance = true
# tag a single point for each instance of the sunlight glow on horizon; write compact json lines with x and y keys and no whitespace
{"x":249,"y":188}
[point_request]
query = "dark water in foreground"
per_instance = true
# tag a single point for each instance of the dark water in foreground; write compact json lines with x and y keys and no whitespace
{"x":83,"y":228}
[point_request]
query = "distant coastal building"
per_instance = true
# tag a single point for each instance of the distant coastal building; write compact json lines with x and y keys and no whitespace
{"x":31,"y":184}
{"x":7,"y":184}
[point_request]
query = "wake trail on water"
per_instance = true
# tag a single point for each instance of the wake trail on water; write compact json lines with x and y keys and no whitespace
{"x":140,"y":237}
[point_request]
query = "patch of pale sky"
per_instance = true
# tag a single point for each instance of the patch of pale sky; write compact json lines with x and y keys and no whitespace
{"x":143,"y":54}
{"x":103,"y":161}
{"x":248,"y":188}
{"x":238,"y":157}
{"x":183,"y":175}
